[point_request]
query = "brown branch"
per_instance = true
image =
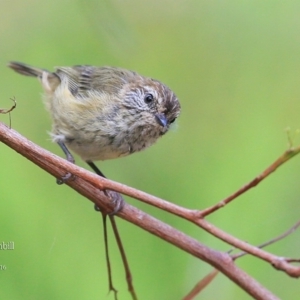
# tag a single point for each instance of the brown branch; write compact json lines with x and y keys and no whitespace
{"x":287,"y":155}
{"x":88,"y":184}
{"x":203,"y":283}
{"x":9,"y":110}
{"x":272,"y":241}
{"x":51,"y":162}
{"x":124,"y":258}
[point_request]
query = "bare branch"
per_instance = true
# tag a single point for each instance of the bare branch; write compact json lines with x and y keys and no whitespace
{"x":272,"y":241}
{"x":124,"y":259}
{"x":6,"y":111}
{"x":58,"y":167}
{"x":88,"y":185}
{"x":9,"y":110}
{"x":287,"y":155}
{"x":203,"y":283}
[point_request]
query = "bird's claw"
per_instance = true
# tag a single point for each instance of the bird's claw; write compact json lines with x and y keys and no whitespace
{"x":65,"y":178}
{"x":116,"y":199}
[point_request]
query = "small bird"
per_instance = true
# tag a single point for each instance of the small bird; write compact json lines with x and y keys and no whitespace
{"x":104,"y":112}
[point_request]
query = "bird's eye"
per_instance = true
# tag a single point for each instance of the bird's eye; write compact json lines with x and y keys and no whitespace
{"x":172,"y":121}
{"x":148,"y":98}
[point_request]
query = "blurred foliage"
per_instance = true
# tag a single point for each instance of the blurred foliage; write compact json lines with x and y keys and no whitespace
{"x":235,"y":66}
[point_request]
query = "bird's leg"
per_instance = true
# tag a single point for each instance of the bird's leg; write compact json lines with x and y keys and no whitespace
{"x":70,"y":158}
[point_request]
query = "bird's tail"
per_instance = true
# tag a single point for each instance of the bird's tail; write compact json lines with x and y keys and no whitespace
{"x":25,"y":69}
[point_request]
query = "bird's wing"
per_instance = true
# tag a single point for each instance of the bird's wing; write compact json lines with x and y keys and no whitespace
{"x":85,"y":79}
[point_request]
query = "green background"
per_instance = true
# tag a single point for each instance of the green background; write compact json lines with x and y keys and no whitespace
{"x":234,"y":65}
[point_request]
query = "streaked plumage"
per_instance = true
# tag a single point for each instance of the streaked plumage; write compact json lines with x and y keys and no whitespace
{"x":104,"y":112}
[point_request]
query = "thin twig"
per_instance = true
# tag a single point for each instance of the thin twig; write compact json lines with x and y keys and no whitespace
{"x":124,"y":258}
{"x":116,"y":198}
{"x":287,"y":155}
{"x":292,"y":260}
{"x":270,"y":242}
{"x":203,"y":283}
{"x":208,"y":278}
{"x":110,"y":282}
{"x":5,"y":111}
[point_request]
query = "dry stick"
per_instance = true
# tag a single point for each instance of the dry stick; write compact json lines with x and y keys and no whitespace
{"x":274,"y":260}
{"x":124,"y":258}
{"x":291,"y":260}
{"x":115,"y":196}
{"x":57,"y":167}
{"x":190,"y":215}
{"x":194,"y":215}
{"x":201,"y":285}
{"x":272,"y":241}
{"x":5,"y":111}
{"x":208,"y":278}
{"x":110,"y":283}
{"x":288,"y":154}
{"x":39,"y":156}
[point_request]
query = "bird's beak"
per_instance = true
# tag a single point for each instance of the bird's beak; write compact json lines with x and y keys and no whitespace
{"x":161,"y":119}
